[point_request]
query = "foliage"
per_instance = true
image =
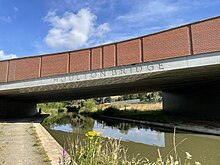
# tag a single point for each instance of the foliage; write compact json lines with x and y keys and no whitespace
{"x":95,"y":150}
{"x":88,"y":106}
{"x":51,"y":105}
{"x":149,"y":97}
{"x":56,"y":111}
{"x":74,"y":105}
{"x":150,"y":115}
{"x":56,"y":119}
{"x":111,"y":110}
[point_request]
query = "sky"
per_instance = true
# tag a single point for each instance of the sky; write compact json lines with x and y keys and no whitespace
{"x":33,"y":27}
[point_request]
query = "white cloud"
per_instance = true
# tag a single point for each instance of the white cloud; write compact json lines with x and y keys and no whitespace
{"x":148,"y":10}
{"x":4,"y":56}
{"x":102,"y":29}
{"x":73,"y":30}
{"x":5,"y":19}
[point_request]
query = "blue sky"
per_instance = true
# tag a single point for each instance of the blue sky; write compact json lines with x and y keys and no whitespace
{"x":31,"y":27}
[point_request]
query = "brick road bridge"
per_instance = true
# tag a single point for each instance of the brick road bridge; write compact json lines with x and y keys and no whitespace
{"x":182,"y":62}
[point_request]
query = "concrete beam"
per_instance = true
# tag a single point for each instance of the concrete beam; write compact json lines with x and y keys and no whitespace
{"x":147,"y":69}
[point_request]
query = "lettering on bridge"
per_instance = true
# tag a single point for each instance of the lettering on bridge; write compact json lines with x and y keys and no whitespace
{"x":74,"y":80}
{"x":108,"y":73}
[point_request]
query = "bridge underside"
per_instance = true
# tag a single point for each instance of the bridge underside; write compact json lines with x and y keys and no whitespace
{"x":198,"y":100}
{"x":16,"y":108}
{"x":188,"y":87}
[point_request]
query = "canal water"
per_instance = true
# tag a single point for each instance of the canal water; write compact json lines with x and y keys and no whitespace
{"x":137,"y":138}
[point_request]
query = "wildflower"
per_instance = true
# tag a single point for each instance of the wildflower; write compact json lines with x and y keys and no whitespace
{"x":188,"y":155}
{"x":64,"y":152}
{"x":91,"y":134}
{"x":176,"y":162}
{"x":197,"y":163}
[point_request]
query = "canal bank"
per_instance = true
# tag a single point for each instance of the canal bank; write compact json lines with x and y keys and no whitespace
{"x":159,"y":118}
{"x":50,"y":145}
{"x":191,"y":127}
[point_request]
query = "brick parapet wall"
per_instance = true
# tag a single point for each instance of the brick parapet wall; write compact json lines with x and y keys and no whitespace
{"x":195,"y":38}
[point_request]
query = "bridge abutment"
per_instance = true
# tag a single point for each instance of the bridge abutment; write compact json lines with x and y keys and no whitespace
{"x":201,"y":101}
{"x":16,"y":108}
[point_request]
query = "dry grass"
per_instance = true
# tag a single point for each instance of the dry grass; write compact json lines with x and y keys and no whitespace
{"x":140,"y":107}
{"x":37,"y":143}
{"x":95,"y":150}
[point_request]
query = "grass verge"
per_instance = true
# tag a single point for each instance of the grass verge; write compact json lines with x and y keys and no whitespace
{"x":39,"y":148}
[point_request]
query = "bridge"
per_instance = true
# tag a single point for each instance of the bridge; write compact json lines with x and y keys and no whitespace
{"x":182,"y":62}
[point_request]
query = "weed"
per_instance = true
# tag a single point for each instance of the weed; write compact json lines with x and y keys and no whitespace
{"x":37,"y":143}
{"x":95,"y":150}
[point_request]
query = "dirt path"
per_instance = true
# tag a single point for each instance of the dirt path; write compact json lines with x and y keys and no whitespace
{"x":18,"y":145}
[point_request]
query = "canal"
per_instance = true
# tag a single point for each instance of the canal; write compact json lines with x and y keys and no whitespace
{"x":137,"y":138}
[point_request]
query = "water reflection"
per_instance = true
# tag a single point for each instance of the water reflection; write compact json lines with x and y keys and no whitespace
{"x":139,"y":135}
{"x":110,"y":128}
{"x":137,"y":138}
{"x":69,"y":122}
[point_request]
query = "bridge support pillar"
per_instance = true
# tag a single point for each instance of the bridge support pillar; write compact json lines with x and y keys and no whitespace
{"x":200,"y":101}
{"x":16,"y":108}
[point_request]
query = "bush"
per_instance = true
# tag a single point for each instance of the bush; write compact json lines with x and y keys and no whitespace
{"x":111,"y":111}
{"x":88,"y":106}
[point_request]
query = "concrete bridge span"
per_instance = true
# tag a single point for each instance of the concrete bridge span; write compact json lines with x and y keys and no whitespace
{"x":183,"y":62}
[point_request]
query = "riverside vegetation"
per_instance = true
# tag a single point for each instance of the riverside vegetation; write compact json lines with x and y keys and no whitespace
{"x":147,"y":111}
{"x":96,"y":150}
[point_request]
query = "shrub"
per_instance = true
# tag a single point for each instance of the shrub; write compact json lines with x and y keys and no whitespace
{"x":112,"y":111}
{"x":88,"y":106}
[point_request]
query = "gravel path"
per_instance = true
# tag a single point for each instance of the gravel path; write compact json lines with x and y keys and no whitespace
{"x":17,"y":145}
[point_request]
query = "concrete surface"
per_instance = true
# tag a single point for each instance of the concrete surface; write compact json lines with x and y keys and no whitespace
{"x":51,"y":146}
{"x":17,"y":145}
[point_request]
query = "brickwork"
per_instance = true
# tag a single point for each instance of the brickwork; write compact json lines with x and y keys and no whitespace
{"x":173,"y":43}
{"x":54,"y":64}
{"x":80,"y":61}
{"x":195,"y":38}
{"x":109,"y":56}
{"x":12,"y":70}
{"x":206,"y":36}
{"x":129,"y":52}
{"x":3,"y":71}
{"x":96,"y":58}
{"x":27,"y":68}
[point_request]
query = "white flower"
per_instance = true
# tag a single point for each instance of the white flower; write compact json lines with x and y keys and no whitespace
{"x":188,"y":155}
{"x":176,"y":162}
